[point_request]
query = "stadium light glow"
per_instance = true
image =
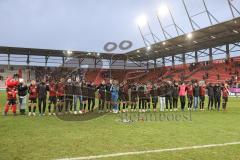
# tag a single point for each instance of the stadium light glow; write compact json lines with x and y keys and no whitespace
{"x":142,"y":20}
{"x":69,"y":52}
{"x":149,"y":48}
{"x":163,"y":10}
{"x":235,"y":31}
{"x":189,"y":35}
{"x":195,"y":42}
{"x":213,"y":37}
{"x":179,"y":45}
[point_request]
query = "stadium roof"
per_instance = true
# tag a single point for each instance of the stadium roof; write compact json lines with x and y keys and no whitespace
{"x":217,"y":35}
{"x":56,"y":53}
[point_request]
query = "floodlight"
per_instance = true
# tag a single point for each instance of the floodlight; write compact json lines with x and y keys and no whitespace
{"x":213,"y":37}
{"x":235,"y":31}
{"x":163,"y":10}
{"x":69,"y":52}
{"x":189,"y":35}
{"x":148,"y":48}
{"x":142,"y":20}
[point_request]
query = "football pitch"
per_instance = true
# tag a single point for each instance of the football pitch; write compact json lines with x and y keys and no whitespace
{"x":23,"y":137}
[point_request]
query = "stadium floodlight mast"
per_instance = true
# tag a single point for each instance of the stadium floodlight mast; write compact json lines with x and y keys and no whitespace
{"x":142,"y":21}
{"x":162,"y":11}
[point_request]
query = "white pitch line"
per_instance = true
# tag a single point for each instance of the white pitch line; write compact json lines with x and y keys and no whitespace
{"x":150,"y":151}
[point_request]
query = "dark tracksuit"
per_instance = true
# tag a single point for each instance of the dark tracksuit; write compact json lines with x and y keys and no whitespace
{"x":69,"y":96}
{"x":91,"y":96}
{"x":102,"y":96}
{"x":217,"y":97}
{"x":141,"y":95}
{"x":42,"y":97}
{"x":210,"y":97}
{"x":154,"y":95}
{"x":108,"y":96}
{"x":169,"y":90}
{"x":134,"y":93}
{"x":84,"y":94}
{"x":175,"y":95}
{"x":196,"y":93}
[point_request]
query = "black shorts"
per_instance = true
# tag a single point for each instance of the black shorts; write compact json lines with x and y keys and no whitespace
{"x":225,"y":99}
{"x":60,"y":98}
{"x":11,"y":101}
{"x":32,"y":100}
{"x":52,"y":100}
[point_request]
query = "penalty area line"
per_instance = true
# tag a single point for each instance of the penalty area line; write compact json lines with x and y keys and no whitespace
{"x":150,"y":151}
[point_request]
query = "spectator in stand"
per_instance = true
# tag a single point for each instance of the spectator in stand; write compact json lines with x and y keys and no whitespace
{"x":196,"y":91}
{"x":190,"y":95}
{"x":22,"y":95}
{"x":210,"y":90}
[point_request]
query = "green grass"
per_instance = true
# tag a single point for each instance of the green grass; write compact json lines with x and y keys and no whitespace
{"x":50,"y":138}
